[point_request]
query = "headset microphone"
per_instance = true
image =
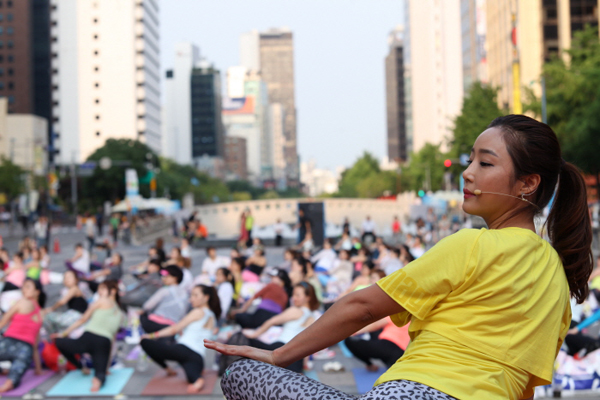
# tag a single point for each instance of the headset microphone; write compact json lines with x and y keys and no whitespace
{"x":478,"y":192}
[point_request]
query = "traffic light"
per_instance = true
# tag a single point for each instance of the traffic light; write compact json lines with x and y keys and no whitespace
{"x":447,"y":163}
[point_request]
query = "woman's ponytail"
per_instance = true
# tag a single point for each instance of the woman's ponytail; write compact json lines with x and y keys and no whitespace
{"x":570,"y":230}
{"x":214,"y":304}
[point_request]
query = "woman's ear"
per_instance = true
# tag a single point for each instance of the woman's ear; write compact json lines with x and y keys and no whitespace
{"x":529,"y":184}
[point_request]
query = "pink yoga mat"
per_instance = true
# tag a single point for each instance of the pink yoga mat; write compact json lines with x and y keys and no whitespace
{"x":29,"y":382}
{"x":162,"y":385}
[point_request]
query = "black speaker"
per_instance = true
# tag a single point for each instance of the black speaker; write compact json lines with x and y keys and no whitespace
{"x":315,"y":212}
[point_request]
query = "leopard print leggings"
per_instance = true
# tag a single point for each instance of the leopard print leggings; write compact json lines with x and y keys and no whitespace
{"x":253,"y":380}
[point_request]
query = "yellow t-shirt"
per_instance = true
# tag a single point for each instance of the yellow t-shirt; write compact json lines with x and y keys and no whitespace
{"x":489,"y":310}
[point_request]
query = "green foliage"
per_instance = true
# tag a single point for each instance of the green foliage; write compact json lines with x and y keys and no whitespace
{"x":478,"y":110}
{"x":12,"y":183}
{"x":573,"y":101}
{"x":269,"y":195}
{"x":241,"y":196}
{"x":364,"y":167}
{"x":426,"y":166}
{"x":375,"y":184}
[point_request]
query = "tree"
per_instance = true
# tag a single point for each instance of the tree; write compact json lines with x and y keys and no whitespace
{"x":478,"y":110}
{"x":426,"y":168}
{"x":11,"y":179}
{"x":363,"y":167}
{"x":376,"y":184}
{"x":573,"y":101}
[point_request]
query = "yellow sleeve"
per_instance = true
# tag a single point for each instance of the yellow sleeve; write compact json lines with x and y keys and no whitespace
{"x":425,"y":282}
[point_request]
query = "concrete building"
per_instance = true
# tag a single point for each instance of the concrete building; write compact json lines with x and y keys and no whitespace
{"x":255,"y":86}
{"x":543,"y":28}
{"x":177,"y":127}
{"x":275,"y":61}
{"x":473,"y":30}
{"x":277,"y":130}
{"x":433,"y":69}
{"x":206,"y":105}
{"x":23,"y":138}
{"x":105,"y":63}
{"x":236,"y":163}
{"x":318,"y":181}
{"x":397,"y":143}
{"x":236,"y":80}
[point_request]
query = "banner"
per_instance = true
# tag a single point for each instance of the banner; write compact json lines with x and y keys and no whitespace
{"x":132,"y":185}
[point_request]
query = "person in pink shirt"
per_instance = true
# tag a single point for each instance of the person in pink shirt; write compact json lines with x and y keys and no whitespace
{"x":20,"y":341}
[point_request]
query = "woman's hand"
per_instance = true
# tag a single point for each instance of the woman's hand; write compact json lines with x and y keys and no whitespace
{"x":241,"y":351}
{"x":573,"y":331}
{"x":146,"y":336}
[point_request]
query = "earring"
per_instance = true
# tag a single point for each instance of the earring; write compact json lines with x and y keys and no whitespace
{"x":523,"y":197}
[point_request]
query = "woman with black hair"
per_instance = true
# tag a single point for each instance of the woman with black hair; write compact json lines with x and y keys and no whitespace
{"x":104,"y":318}
{"x":225,"y":283}
{"x":189,"y":350}
{"x":489,"y":308}
{"x":20,"y":341}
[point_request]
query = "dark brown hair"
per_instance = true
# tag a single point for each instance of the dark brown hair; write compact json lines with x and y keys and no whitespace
{"x":534,"y":149}
{"x":213,"y":299}
{"x":309,"y":291}
{"x":112,"y":285}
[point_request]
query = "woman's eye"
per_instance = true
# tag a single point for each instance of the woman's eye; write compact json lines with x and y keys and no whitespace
{"x":469,"y":162}
{"x":483,"y":164}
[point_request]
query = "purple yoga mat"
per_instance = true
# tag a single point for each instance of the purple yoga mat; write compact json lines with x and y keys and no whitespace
{"x":29,"y":382}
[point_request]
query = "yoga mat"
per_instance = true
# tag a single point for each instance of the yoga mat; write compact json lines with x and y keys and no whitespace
{"x":29,"y":382}
{"x":365,"y":379}
{"x":162,"y":385}
{"x":312,"y":374}
{"x":76,"y":384}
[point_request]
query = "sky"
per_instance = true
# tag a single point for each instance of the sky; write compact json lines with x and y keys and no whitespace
{"x":340,"y":47}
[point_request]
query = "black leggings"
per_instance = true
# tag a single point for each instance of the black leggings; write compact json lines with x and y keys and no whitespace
{"x":150,"y":326}
{"x":366,"y":350}
{"x":579,"y":341}
{"x":253,"y":321}
{"x":295,"y":367}
{"x":192,"y":362}
{"x":96,"y":346}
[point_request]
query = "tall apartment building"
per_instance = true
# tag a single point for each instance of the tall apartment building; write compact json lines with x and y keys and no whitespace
{"x":433,"y":69}
{"x":473,"y":30}
{"x":177,"y":126}
{"x":397,"y":142}
{"x":272,"y":53}
{"x":105,"y":82}
{"x":25,"y":57}
{"x":236,"y":163}
{"x":206,"y":99}
{"x":543,"y":28}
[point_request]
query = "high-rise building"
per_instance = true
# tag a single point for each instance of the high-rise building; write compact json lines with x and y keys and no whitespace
{"x":473,"y":29}
{"x":433,"y":69}
{"x":105,"y":63}
{"x":277,"y":131}
{"x":177,"y":126}
{"x":206,"y":104}
{"x":236,"y":81}
{"x":236,"y":163}
{"x":25,"y":78}
{"x":255,"y":87}
{"x":275,"y":61}
{"x":394,"y":88}
{"x":541,"y":29}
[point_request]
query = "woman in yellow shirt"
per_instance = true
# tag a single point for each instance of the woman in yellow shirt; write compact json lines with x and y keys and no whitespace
{"x":489,"y":308}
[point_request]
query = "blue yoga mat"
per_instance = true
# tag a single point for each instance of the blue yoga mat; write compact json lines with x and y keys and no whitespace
{"x":365,"y":379}
{"x":345,"y":349}
{"x":76,"y":384}
{"x":312,"y":374}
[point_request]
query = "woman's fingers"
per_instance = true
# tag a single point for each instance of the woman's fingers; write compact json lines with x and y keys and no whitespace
{"x":240,"y":351}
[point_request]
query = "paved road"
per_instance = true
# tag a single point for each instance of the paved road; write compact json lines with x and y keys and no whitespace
{"x":68,"y":237}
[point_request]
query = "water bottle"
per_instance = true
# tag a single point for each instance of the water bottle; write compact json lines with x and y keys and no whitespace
{"x":62,"y":364}
{"x":142,"y":364}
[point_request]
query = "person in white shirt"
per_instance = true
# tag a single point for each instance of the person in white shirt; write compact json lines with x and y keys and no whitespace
{"x":186,"y":251}
{"x":392,"y":262}
{"x":80,"y":262}
{"x":368,"y":230}
{"x":213,"y":262}
{"x":90,"y":230}
{"x":324,"y":259}
{"x":417,"y":249}
{"x":41,"y":231}
{"x":279,"y":227}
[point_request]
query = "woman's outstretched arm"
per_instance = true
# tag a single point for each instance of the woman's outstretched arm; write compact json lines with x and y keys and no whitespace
{"x":346,"y":316}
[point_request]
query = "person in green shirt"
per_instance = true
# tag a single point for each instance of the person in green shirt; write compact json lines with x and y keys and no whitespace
{"x":114,"y":227}
{"x":249,"y":226}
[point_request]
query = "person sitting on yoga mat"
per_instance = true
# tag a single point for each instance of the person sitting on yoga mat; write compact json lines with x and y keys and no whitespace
{"x":104,"y":318}
{"x":189,"y":350}
{"x":168,"y":305}
{"x":489,"y":308}
{"x":20,"y":341}
{"x":71,"y":296}
{"x":294,"y":320}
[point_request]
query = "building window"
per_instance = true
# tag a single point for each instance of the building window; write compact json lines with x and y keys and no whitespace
{"x":97,"y":118}
{"x":96,"y":69}
{"x":1,"y":3}
{"x":95,"y":20}
{"x":96,"y":52}
{"x":11,"y":72}
{"x":1,"y":44}
{"x":54,"y":39}
{"x":1,"y":71}
{"x":97,"y":101}
{"x":10,"y":58}
{"x":9,"y":17}
{"x":10,"y":30}
{"x":10,"y":44}
{"x":1,"y":17}
{"x":9,"y":3}
{"x":1,"y":30}
{"x":54,"y":55}
{"x":11,"y":99}
{"x":1,"y":58}
{"x":95,"y":36}
{"x":54,"y":23}
{"x":97,"y":133}
{"x":97,"y":84}
{"x":1,"y":85}
{"x":11,"y":85}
